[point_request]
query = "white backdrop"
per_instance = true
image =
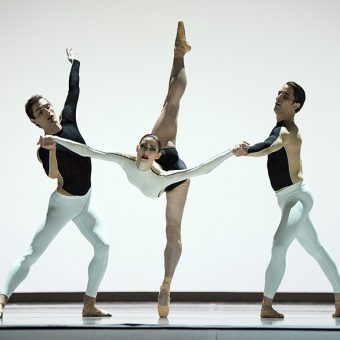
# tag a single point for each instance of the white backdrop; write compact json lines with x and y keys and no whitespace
{"x":242,"y":52}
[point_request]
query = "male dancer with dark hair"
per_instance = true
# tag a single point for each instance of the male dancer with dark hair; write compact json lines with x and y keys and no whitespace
{"x":295,"y":199}
{"x":71,"y":200}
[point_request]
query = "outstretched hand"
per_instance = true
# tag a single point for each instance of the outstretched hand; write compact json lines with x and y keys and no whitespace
{"x":47,"y":142}
{"x":241,"y":149}
{"x":70,"y":55}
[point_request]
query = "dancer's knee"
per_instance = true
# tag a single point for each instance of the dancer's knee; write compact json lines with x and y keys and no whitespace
{"x":30,"y":258}
{"x":102,"y":248}
{"x":173,"y":232}
{"x":316,"y":250}
{"x":279,"y":248}
{"x":175,"y":94}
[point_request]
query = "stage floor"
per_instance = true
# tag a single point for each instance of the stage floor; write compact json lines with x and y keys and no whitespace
{"x":230,"y":321}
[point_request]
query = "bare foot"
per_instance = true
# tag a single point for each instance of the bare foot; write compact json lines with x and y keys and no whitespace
{"x":164,"y":301}
{"x":91,"y":310}
{"x":181,"y":45}
{"x":3,"y":301}
{"x":270,"y":312}
{"x":336,"y":314}
{"x":94,"y":312}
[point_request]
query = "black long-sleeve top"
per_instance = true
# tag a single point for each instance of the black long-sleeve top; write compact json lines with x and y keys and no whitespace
{"x":283,"y":148}
{"x":74,"y":171}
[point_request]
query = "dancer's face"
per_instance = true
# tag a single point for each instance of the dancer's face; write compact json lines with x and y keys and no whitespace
{"x":44,"y":115}
{"x":284,"y":103}
{"x":147,"y":153}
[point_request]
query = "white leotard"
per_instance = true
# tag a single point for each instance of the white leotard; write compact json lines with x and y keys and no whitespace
{"x":151,"y":182}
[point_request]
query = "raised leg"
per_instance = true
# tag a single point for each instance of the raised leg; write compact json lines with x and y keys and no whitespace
{"x":166,"y":125}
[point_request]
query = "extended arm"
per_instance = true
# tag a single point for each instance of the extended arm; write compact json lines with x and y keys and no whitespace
{"x":265,"y":148}
{"x":272,"y":144}
{"x":70,"y":106}
{"x":202,"y":169}
{"x":86,"y":151}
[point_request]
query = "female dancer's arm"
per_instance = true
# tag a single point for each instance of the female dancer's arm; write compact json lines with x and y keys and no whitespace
{"x":86,"y":151}
{"x":202,"y":169}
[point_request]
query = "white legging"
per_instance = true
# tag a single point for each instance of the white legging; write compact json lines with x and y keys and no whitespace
{"x":61,"y":210}
{"x":296,"y":202}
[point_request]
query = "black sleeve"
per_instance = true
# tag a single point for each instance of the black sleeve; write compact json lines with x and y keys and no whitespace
{"x":44,"y":158}
{"x":70,"y":107}
{"x":272,"y":144}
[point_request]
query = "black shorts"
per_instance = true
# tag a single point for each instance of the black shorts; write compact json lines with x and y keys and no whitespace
{"x":171,"y":161}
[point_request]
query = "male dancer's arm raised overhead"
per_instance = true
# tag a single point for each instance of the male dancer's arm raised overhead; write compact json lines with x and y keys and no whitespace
{"x":72,"y":199}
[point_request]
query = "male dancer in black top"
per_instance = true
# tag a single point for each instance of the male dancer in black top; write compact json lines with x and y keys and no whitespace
{"x":295,"y":199}
{"x":71,"y":200}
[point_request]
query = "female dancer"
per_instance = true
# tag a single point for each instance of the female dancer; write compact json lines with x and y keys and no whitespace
{"x":143,"y":171}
